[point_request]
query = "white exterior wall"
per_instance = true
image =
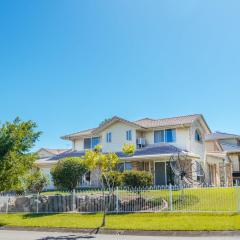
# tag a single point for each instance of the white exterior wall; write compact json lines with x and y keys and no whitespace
{"x":118,"y":131}
{"x":78,"y":144}
{"x":182,"y":138}
{"x":235,"y":163}
{"x":46,"y":171}
{"x":197,"y":147}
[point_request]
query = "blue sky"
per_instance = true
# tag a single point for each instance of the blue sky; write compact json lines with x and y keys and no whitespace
{"x":70,"y":64}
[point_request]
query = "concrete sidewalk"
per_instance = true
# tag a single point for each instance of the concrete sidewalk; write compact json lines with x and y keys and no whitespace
{"x":123,"y":232}
{"x":36,"y":235}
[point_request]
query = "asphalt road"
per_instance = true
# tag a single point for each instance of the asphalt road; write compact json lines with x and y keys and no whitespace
{"x":30,"y":235}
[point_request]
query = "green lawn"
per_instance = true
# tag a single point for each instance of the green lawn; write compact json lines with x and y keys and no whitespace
{"x":143,"y":221}
{"x":200,"y":199}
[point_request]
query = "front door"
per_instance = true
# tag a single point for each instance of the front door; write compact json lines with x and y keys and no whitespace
{"x":160,"y":173}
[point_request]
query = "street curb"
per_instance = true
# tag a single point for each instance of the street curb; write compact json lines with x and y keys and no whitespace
{"x":127,"y":232}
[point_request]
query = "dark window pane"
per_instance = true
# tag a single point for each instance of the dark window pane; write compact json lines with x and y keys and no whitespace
{"x":198,"y":136}
{"x":170,"y":135}
{"x":120,"y":167}
{"x":159,"y":136}
{"x":87,"y":143}
{"x":128,"y":166}
{"x":95,"y":141}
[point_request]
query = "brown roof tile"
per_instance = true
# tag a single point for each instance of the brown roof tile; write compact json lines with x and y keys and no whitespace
{"x":150,"y":123}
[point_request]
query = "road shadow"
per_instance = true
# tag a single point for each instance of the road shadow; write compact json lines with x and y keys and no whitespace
{"x":67,"y":237}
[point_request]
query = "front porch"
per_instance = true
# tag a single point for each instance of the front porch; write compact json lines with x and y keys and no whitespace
{"x":158,"y":166}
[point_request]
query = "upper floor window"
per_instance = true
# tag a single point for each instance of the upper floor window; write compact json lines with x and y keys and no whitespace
{"x":90,"y":143}
{"x":129,"y":135}
{"x":167,"y":135}
{"x":170,"y":135}
{"x":109,"y":137}
{"x":198,"y":136}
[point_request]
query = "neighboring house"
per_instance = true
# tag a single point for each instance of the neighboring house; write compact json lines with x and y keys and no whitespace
{"x":43,"y":155}
{"x":156,"y":140}
{"x":227,"y":147}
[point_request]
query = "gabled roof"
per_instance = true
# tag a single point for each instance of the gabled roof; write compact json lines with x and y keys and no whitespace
{"x":53,"y":151}
{"x":229,"y":148}
{"x":113,"y":120}
{"x":143,"y":124}
{"x":77,"y":134}
{"x":220,"y":136}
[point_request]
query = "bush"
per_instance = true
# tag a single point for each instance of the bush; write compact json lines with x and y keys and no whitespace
{"x":68,"y":172}
{"x":114,"y":179}
{"x":137,"y":179}
{"x":36,"y":181}
{"x":128,"y":149}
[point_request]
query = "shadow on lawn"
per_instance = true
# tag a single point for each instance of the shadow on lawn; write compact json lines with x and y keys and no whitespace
{"x":2,"y":224}
{"x":68,"y":237}
{"x":37,"y":215}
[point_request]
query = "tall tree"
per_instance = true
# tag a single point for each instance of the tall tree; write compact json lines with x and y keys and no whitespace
{"x":16,"y":140}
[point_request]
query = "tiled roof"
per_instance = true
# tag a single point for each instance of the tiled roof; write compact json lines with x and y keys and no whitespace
{"x":142,"y":124}
{"x":149,"y":150}
{"x":151,"y":123}
{"x":53,"y":151}
{"x":56,"y":151}
{"x":81,"y":133}
{"x":220,"y":136}
{"x":230,"y":148}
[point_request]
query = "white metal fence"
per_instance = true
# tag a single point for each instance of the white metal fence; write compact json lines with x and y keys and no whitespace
{"x":124,"y":200}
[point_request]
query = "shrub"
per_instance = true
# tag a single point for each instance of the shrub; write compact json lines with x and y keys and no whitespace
{"x":36,"y":180}
{"x":137,"y":179}
{"x":68,"y":172}
{"x":128,"y":149}
{"x":114,"y":179}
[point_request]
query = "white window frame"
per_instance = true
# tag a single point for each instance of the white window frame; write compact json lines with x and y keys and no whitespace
{"x":164,"y":135}
{"x":109,"y":137}
{"x":129,"y":135}
{"x":91,"y":147}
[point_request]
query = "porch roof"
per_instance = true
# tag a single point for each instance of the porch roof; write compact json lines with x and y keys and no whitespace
{"x":150,"y":150}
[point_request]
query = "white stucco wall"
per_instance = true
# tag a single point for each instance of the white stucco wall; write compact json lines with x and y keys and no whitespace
{"x":118,"y":131}
{"x":235,"y":162}
{"x":78,"y":144}
{"x":46,"y":171}
{"x":197,"y":147}
{"x":182,"y":138}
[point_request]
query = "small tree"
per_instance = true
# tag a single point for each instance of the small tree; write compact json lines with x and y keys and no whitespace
{"x":137,"y":179}
{"x":114,"y":178}
{"x":36,"y":180}
{"x":68,"y":172}
{"x":107,"y":164}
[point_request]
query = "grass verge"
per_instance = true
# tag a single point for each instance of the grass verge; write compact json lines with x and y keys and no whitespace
{"x":137,"y":221}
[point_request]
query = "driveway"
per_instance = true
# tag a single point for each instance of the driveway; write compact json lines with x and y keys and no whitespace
{"x":31,"y":235}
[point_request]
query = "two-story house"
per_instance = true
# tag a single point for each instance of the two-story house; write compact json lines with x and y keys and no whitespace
{"x":156,"y":140}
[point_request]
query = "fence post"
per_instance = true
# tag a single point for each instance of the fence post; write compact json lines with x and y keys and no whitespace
{"x":170,"y":193}
{"x":37,"y":202}
{"x":73,"y":200}
{"x":117,"y":207}
{"x":7,"y":200}
{"x":237,"y":196}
